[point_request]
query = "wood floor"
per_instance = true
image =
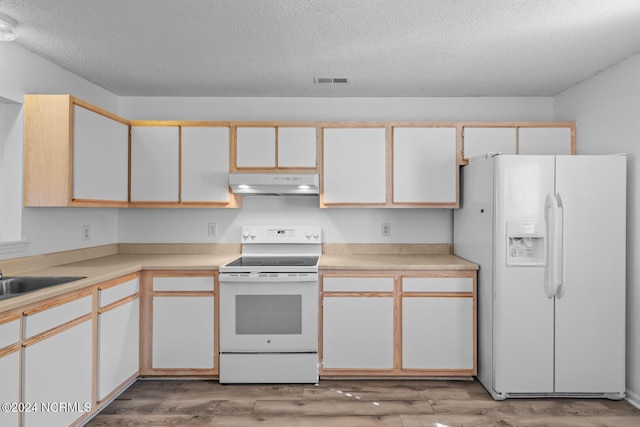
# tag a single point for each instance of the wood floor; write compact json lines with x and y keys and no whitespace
{"x":410,"y":403}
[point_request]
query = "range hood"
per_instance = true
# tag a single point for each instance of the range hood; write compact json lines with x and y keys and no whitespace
{"x":274,"y":183}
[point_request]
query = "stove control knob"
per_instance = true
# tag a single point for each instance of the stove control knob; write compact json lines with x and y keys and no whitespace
{"x":316,"y":233}
{"x":245,"y":234}
{"x":307,"y":234}
{"x":253,"y":234}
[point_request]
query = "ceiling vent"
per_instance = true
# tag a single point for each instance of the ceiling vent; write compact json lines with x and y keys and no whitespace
{"x":336,"y":80}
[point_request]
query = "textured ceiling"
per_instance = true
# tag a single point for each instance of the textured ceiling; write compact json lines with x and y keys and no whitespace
{"x":276,"y":47}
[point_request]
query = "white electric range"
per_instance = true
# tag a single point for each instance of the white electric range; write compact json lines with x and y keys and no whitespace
{"x":269,"y":307}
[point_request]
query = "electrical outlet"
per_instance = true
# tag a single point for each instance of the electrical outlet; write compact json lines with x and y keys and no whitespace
{"x":385,"y":229}
{"x":212,"y":229}
{"x":86,"y":232}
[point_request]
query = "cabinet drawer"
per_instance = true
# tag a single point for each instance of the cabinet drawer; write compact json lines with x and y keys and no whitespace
{"x":437,"y":284}
{"x":115,"y":293}
{"x":204,"y":283}
{"x":358,"y":284}
{"x":56,"y":316}
{"x":9,"y":333}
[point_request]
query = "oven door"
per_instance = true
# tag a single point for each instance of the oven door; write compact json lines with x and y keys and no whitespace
{"x":272,"y":313}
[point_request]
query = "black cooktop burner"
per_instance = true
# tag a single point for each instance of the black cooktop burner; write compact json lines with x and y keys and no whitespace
{"x":274,"y":261}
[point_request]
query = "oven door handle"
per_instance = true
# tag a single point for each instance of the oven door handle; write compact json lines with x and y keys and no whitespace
{"x":267,"y":277}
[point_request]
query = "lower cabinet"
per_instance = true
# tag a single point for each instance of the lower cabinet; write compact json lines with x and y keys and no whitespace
{"x":437,"y":333}
{"x":182,"y":325}
{"x":358,"y":332}
{"x":57,"y":363}
{"x":406,"y":324}
{"x":10,"y":389}
{"x":118,"y":335}
{"x":438,"y":323}
{"x":9,"y":369}
{"x":357,"y":323}
{"x":65,"y":358}
{"x":183,"y":332}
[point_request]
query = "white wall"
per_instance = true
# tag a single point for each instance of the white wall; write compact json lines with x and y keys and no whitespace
{"x":338,"y":109}
{"x":606,"y":109}
{"x":339,"y":225}
{"x":48,"y":230}
{"x":11,"y":124}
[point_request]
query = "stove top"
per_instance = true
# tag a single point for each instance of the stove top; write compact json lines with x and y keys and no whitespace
{"x":277,"y":249}
{"x":274,"y":261}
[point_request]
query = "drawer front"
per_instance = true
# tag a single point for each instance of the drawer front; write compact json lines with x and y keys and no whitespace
{"x":437,"y":284}
{"x":115,"y":293}
{"x":204,"y":283}
{"x":357,"y":284}
{"x":56,"y":316}
{"x":9,"y":333}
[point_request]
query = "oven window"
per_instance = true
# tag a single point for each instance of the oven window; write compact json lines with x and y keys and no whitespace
{"x":268,"y":314}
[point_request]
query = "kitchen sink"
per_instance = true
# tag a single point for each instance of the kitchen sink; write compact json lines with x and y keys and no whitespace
{"x":19,"y":285}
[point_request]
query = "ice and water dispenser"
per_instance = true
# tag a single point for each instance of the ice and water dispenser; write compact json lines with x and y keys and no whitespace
{"x":526,"y":243}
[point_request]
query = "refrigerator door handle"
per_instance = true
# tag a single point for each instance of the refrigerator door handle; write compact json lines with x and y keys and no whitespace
{"x":551,"y":219}
{"x":559,"y":247}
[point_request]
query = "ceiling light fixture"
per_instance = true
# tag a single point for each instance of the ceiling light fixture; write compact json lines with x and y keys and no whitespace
{"x":8,"y":30}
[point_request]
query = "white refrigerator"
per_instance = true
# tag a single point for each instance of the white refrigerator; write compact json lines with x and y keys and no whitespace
{"x":549,"y":234}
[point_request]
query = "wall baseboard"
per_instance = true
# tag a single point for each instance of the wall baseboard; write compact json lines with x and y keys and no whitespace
{"x":633,"y":398}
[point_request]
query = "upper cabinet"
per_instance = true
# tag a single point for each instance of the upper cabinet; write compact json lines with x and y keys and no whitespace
{"x":479,"y":141}
{"x":75,"y":154}
{"x":271,"y":148}
{"x":391,"y":167}
{"x":256,"y":147}
{"x":155,"y":164}
{"x":519,"y":138}
{"x":425,"y":168}
{"x":297,"y":147}
{"x":354,"y":166}
{"x":100,"y":157}
{"x":546,"y":140}
{"x":205,"y":164}
{"x":177,"y":165}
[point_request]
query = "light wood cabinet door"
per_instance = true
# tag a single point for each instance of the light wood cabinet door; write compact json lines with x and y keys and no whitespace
{"x":100,"y":157}
{"x":354,"y":166}
{"x":297,"y":147}
{"x":479,"y":141}
{"x":118,"y":346}
{"x":155,"y":164}
{"x":205,"y":164}
{"x":357,"y":332}
{"x":437,"y":333}
{"x":256,"y":147}
{"x":544,"y":140}
{"x":425,"y":168}
{"x":183,"y":332}
{"x":59,"y":369}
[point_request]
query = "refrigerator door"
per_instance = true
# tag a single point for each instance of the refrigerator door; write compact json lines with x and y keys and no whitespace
{"x":590,"y":303}
{"x":522,"y":312}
